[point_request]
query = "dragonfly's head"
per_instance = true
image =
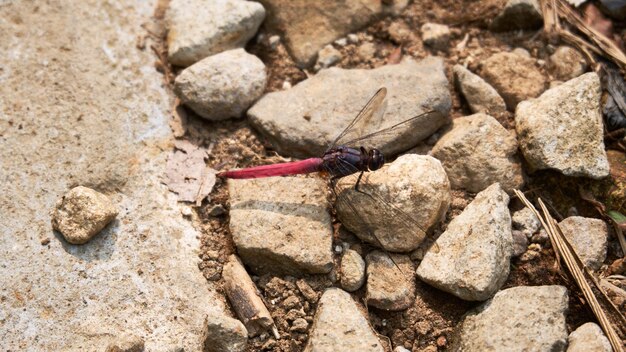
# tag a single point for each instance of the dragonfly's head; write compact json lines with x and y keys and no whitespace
{"x":376,"y":159}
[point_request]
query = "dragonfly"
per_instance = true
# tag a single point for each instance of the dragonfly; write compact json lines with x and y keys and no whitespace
{"x":349,"y":156}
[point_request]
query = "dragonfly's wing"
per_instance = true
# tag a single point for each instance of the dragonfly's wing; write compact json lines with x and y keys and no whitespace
{"x":371,"y":215}
{"x":369,"y":117}
{"x":394,"y":134}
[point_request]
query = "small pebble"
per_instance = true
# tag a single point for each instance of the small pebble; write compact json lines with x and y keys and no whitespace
{"x":186,"y":211}
{"x":341,"y":42}
{"x":286,"y":85}
{"x":274,"y":41}
{"x":366,"y":51}
{"x":436,"y":35}
{"x":299,"y":325}
{"x":217,"y":210}
{"x":327,"y":57}
{"x":352,"y":38}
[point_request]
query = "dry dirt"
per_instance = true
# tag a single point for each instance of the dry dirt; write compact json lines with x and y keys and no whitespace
{"x":434,"y":315}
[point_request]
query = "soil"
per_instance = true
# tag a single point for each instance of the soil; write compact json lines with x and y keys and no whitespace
{"x":429,"y":324}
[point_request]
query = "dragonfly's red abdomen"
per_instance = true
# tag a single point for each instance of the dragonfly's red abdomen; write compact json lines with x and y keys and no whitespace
{"x":283,"y":169}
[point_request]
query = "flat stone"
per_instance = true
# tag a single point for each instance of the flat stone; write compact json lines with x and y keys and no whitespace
{"x":523,"y":318}
{"x":567,"y":63}
{"x":309,"y":26}
{"x":478,"y":152}
{"x":198,"y":29}
{"x":436,"y":35}
{"x":518,"y":14}
{"x":515,"y":77}
{"x":340,"y":325}
{"x":390,"y":281}
{"x":281,"y":224}
{"x":223,"y":85}
{"x":589,"y":238}
{"x":588,"y":337}
{"x":305,"y":119}
{"x":398,"y":204}
{"x":472,"y":261}
{"x":92,"y":111}
{"x":525,"y":221}
{"x":480,"y":96}
{"x":562,"y":129}
{"x":352,"y":271}
{"x":82,"y":213}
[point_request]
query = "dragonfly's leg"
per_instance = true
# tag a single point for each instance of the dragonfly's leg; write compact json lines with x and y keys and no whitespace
{"x":358,"y":181}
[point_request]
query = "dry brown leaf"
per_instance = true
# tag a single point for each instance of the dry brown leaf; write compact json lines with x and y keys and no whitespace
{"x":187,"y":174}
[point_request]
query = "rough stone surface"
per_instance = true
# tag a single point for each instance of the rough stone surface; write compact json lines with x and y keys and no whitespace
{"x":518,"y":14}
{"x":436,"y":35}
{"x":478,"y":152}
{"x":390,"y":281}
{"x":416,"y":187}
{"x":562,"y":129}
{"x":82,"y":213}
{"x":520,"y":243}
{"x":525,"y":221}
{"x":339,"y":325}
{"x":223,"y":85}
{"x":480,"y":96}
{"x":515,"y":77}
{"x":281,"y":224}
{"x":91,"y":111}
{"x":352,"y":271}
{"x":197,"y":29}
{"x":588,"y":237}
{"x":226,"y":336}
{"x":523,"y":318}
{"x":128,"y":343}
{"x":474,"y":252}
{"x":305,"y":119}
{"x":588,"y":337}
{"x":308,"y":26}
{"x":567,"y":63}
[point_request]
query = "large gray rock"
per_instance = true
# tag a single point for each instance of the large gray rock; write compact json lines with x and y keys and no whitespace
{"x":480,"y":96}
{"x":397,"y":205}
{"x":478,"y":152}
{"x":588,"y":337}
{"x":516,"y":77}
{"x":562,"y":129}
{"x":589,"y":238}
{"x":471,"y":259}
{"x":308,"y":26}
{"x":92,"y":111}
{"x":281,"y":224}
{"x":223,"y":85}
{"x":518,"y":14}
{"x":197,"y":29}
{"x":339,"y":325}
{"x":523,"y":318}
{"x":305,"y":119}
{"x":390,"y":281}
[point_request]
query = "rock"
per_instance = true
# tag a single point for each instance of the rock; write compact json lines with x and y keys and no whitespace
{"x":474,"y":252}
{"x":91,"y":110}
{"x":281,"y":225}
{"x":299,"y":325}
{"x":588,"y":337}
{"x":223,"y":85}
{"x":526,"y":318}
{"x":366,"y":51}
{"x":327,"y":57}
{"x":525,"y":221}
{"x":352,"y":38}
{"x":520,"y":243}
{"x":588,"y":237}
{"x":400,"y":349}
{"x":567,"y":63}
{"x":518,"y":14}
{"x":82,"y":213}
{"x":198,"y":29}
{"x":339,"y":325}
{"x":436,"y":35}
{"x":514,"y":77}
{"x":273,"y":42}
{"x":390,"y":281}
{"x":308,"y":26}
{"x":478,"y":152}
{"x":480,"y":96}
{"x":562,"y":129}
{"x":304,"y":120}
{"x":352,"y":271}
{"x":126,"y":343}
{"x":416,"y":185}
{"x":400,"y":32}
{"x":521,"y":52}
{"x":226,"y":335}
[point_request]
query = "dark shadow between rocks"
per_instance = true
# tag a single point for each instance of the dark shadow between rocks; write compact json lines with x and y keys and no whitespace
{"x":100,"y":247}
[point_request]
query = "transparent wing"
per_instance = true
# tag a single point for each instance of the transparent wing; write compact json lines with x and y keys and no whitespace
{"x":372,"y":216}
{"x":369,"y":117}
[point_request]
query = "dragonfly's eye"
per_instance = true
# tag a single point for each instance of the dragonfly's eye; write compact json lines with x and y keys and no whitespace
{"x":377,"y":160}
